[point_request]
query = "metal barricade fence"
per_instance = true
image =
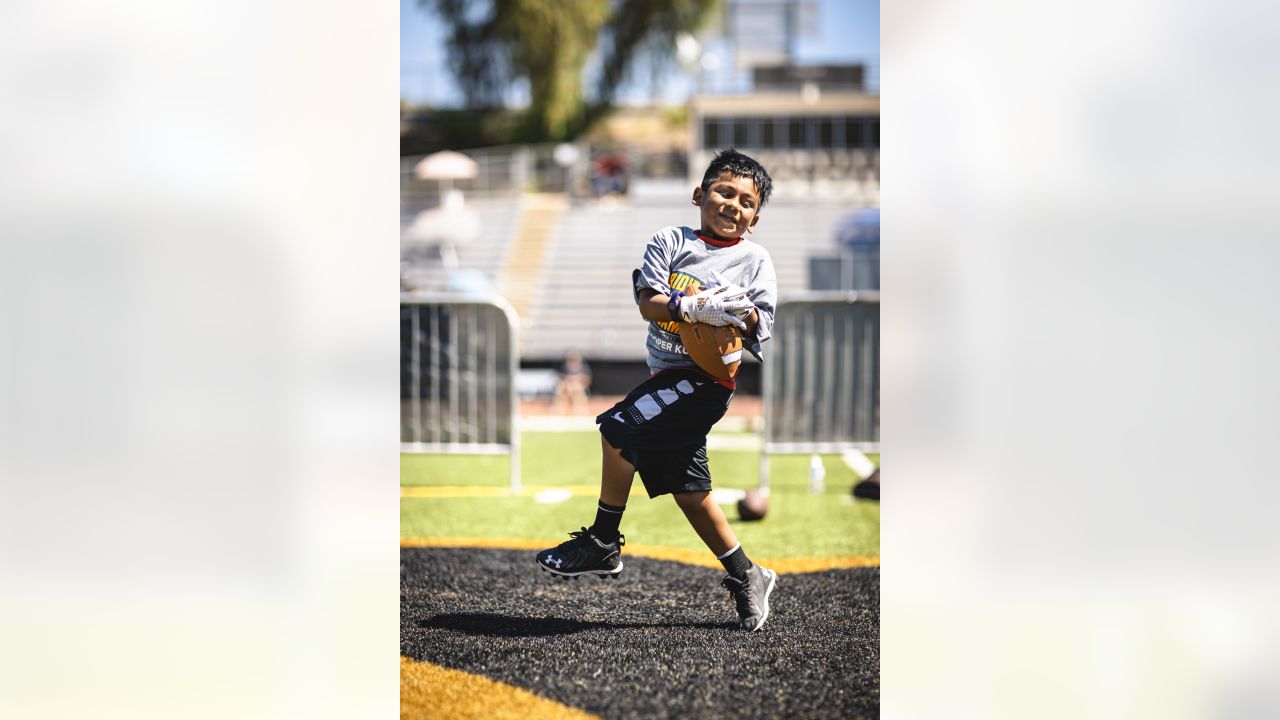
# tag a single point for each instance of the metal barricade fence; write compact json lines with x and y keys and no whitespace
{"x":458,"y":364}
{"x":821,"y":386}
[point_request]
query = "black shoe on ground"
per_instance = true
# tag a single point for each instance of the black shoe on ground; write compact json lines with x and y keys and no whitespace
{"x":752,"y":596}
{"x":584,"y":554}
{"x":868,"y":489}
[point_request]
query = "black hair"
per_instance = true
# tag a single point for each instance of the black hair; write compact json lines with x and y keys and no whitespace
{"x":735,"y":163}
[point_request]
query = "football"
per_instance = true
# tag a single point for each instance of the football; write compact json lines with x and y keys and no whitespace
{"x":753,"y":506}
{"x":716,"y":349}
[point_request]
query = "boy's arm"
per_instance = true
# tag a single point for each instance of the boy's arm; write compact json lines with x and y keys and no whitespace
{"x":764,"y":295}
{"x":653,"y":306}
{"x":654,"y":272}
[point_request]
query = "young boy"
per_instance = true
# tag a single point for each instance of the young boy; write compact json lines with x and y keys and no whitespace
{"x":661,"y":428}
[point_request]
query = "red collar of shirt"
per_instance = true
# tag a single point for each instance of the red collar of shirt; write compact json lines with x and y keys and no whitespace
{"x":717,"y":242}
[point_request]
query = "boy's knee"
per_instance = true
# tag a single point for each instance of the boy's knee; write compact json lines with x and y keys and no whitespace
{"x":690,"y":499}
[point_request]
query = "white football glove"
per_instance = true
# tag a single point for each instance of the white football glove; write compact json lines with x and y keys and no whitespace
{"x":734,"y":291}
{"x":720,"y":306}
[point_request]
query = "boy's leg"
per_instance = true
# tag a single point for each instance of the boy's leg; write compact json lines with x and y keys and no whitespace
{"x":749,"y":584}
{"x":708,"y":521}
{"x":616,"y":475}
{"x":597,"y":550}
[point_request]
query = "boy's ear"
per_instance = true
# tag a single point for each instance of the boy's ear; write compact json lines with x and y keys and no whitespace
{"x":752,"y":226}
{"x":697,"y":195}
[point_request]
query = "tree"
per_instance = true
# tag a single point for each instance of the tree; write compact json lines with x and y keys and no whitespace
{"x":547,"y":42}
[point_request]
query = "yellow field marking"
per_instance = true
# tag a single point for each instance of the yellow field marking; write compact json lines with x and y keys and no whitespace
{"x":432,"y":691}
{"x":701,"y":558}
{"x":487,"y":543}
{"x":788,"y":566}
{"x":492,"y":490}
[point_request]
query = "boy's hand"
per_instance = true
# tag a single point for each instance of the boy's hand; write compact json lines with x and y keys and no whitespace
{"x":735,"y":291}
{"x":731,"y":290}
{"x":721,"y":306}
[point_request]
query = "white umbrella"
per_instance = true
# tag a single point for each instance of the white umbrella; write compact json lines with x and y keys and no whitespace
{"x":446,"y":165}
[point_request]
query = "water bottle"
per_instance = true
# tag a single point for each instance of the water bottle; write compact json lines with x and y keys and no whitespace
{"x":817,"y":474}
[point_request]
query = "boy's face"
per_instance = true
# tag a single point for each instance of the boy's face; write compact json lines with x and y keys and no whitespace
{"x":730,"y":206}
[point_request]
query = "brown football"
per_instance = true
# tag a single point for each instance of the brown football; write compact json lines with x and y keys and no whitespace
{"x":753,"y":506}
{"x":714,"y":348}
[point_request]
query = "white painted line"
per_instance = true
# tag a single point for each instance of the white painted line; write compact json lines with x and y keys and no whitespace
{"x":554,"y":496}
{"x":727,"y":496}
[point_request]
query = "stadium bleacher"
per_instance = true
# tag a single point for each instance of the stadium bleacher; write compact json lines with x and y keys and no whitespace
{"x":595,"y":247}
{"x":537,"y":253}
{"x":482,"y":256}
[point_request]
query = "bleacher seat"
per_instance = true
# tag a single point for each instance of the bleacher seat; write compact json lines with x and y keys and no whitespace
{"x":425,"y":271}
{"x":594,"y":249}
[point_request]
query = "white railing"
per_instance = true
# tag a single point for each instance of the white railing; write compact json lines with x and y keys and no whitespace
{"x":821,"y":383}
{"x":459,"y":359}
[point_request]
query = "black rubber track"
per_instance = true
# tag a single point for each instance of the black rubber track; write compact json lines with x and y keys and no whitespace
{"x":661,"y":641}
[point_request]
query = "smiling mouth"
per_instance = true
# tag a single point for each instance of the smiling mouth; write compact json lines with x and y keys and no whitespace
{"x":729,"y":220}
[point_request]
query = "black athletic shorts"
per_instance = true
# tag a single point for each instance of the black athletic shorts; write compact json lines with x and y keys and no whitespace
{"x":661,"y":428}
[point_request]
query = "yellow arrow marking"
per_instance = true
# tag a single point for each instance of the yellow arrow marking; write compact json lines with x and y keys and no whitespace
{"x":432,"y":691}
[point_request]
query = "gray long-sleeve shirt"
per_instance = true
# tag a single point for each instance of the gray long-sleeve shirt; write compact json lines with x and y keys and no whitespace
{"x":677,"y":257}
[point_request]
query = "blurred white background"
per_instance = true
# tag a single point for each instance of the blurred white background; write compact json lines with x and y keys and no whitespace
{"x":198,"y":468}
{"x":1079,"y":207}
{"x":198,"y":379}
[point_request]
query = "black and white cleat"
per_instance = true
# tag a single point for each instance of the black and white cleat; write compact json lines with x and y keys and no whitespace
{"x":583,"y":553}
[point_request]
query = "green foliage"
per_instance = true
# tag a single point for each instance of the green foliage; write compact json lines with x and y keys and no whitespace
{"x":799,"y":524}
{"x":677,"y":117}
{"x":459,"y":130}
{"x":548,"y":43}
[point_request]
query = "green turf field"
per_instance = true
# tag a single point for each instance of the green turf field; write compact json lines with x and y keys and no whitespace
{"x":799,"y":524}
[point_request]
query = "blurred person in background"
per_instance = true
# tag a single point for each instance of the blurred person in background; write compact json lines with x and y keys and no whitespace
{"x":609,"y":174}
{"x":574,"y":379}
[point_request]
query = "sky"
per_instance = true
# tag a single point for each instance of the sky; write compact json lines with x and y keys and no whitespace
{"x":848,"y":31}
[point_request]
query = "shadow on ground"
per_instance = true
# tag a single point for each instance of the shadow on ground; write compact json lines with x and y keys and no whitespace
{"x":660,"y":642}
{"x":514,"y":626}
